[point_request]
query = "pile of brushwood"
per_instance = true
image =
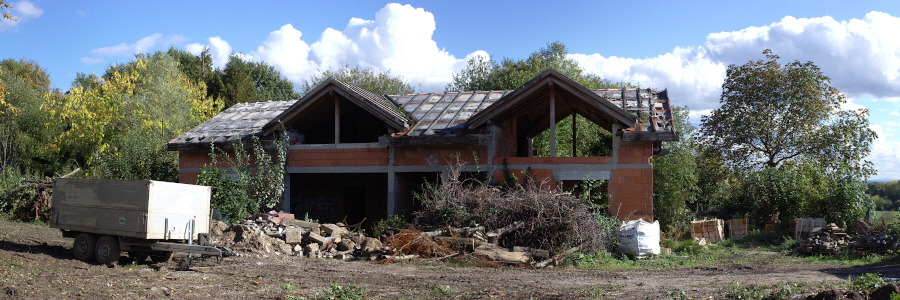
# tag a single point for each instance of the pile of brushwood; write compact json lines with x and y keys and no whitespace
{"x":528,"y":215}
{"x":30,"y":199}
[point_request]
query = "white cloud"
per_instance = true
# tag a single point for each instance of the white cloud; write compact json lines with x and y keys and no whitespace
{"x":886,"y":150}
{"x":399,"y":39}
{"x":862,"y":56}
{"x":219,"y":50}
{"x":22,"y":11}
{"x":141,"y":46}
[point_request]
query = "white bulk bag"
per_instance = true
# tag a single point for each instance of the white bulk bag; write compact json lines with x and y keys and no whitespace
{"x":639,"y":237}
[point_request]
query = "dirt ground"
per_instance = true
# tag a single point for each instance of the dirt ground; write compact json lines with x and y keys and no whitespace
{"x":36,"y":262}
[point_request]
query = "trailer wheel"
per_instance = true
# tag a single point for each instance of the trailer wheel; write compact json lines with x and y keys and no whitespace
{"x":160,"y":256}
{"x":108,"y":249}
{"x":83,"y":248}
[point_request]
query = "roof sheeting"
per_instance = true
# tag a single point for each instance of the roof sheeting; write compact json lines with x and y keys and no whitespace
{"x":444,"y":113}
{"x":424,"y":114}
{"x":237,"y":123}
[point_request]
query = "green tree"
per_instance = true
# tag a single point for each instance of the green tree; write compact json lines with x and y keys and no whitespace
{"x":244,"y":81}
{"x":796,"y":153}
{"x":380,"y":82}
{"x":675,"y":176}
{"x":270,"y":84}
{"x":773,"y":113}
{"x":117,"y":126}
{"x":24,"y":87}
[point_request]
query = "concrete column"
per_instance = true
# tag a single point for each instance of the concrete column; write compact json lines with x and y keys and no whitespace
{"x":286,"y":203}
{"x":391,"y":184}
{"x":552,"y":122}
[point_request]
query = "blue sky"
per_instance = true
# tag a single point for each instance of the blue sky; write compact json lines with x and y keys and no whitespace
{"x":684,"y":46}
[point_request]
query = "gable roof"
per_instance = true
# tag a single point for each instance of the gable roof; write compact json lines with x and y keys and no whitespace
{"x":237,"y":123}
{"x":379,"y":106}
{"x":582,"y":100}
{"x":447,"y":113}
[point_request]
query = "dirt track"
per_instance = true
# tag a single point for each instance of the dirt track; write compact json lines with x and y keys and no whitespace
{"x":35,"y":262}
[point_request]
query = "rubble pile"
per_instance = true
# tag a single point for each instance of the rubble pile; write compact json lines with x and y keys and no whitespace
{"x":873,"y":239}
{"x":828,"y":239}
{"x":281,"y":234}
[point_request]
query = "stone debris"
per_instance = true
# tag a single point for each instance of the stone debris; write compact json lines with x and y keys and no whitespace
{"x":280,"y":234}
{"x":873,"y":239}
{"x":828,"y":239}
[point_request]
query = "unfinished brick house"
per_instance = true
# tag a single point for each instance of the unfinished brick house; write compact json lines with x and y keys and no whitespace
{"x":358,"y":155}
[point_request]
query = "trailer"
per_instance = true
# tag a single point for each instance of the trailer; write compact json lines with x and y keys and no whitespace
{"x":144,"y":218}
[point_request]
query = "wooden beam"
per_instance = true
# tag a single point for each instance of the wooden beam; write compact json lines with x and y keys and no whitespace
{"x":552,"y":121}
{"x":574,"y":135}
{"x":337,"y":120}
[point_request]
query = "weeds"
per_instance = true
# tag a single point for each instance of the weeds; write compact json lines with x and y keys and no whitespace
{"x":289,"y":287}
{"x":346,"y":292}
{"x":867,"y":281}
{"x":441,"y":291}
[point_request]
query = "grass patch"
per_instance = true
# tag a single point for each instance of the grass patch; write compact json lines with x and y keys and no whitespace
{"x":441,"y":291}
{"x":784,"y":290}
{"x":289,"y":287}
{"x":345,"y":292}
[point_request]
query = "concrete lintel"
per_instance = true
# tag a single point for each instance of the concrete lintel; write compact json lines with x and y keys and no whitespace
{"x":580,"y":167}
{"x":649,"y":136}
{"x":580,"y":175}
{"x":334,"y":146}
{"x":435,"y":140}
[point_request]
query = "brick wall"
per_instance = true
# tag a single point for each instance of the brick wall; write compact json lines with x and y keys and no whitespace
{"x":631,"y":190}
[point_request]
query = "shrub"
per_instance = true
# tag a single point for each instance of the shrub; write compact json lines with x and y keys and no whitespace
{"x":247,"y":190}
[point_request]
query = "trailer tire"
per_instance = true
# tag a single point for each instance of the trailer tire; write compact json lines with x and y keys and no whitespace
{"x":108,"y":250}
{"x":160,"y":256}
{"x":83,"y":247}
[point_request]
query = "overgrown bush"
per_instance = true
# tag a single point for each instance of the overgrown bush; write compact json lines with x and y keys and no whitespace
{"x":553,"y":220}
{"x":254,"y":184}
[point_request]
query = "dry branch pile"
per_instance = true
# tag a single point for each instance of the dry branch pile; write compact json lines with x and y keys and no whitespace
{"x":546,"y":219}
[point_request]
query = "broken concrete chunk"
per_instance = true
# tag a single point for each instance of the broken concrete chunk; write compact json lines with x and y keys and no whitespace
{"x":294,"y":235}
{"x":346,"y":244}
{"x":316,"y":238}
{"x":370,"y":246}
{"x":311,"y":248}
{"x":312,"y":227}
{"x":358,"y":238}
{"x":332,"y":229}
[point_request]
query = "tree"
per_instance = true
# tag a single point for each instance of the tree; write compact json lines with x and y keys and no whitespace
{"x":117,"y":126}
{"x":6,"y":15}
{"x":245,"y":81}
{"x":380,"y":82}
{"x":24,"y":87}
{"x":675,"y":176}
{"x":793,"y":151}
{"x":773,"y":113}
